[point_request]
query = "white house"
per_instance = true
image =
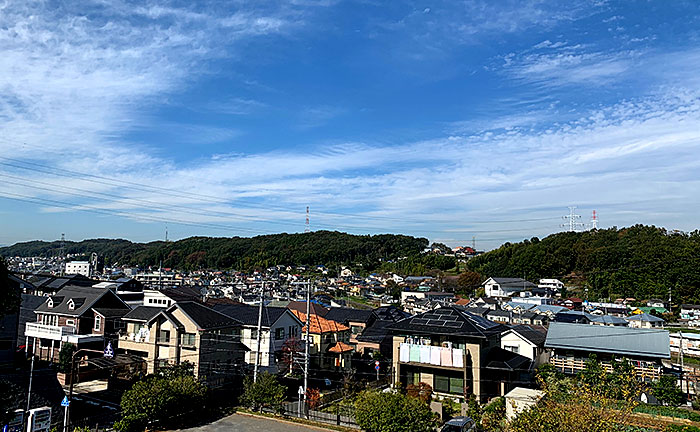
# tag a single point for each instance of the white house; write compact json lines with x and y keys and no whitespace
{"x":551,"y":284}
{"x":526,"y":341}
{"x":278,"y":325}
{"x":506,"y":287}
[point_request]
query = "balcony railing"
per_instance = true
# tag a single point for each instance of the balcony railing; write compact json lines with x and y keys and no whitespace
{"x":47,"y":331}
{"x":136,"y":337}
{"x":433,"y":355}
{"x":571,"y":365}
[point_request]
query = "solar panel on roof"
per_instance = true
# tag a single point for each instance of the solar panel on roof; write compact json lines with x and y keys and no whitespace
{"x":454,"y":324}
{"x":431,"y":316}
{"x":419,"y":321}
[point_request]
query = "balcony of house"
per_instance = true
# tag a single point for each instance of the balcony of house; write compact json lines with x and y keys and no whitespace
{"x":442,"y":356}
{"x":45,"y":331}
{"x":646,"y":370}
{"x":135,"y":340}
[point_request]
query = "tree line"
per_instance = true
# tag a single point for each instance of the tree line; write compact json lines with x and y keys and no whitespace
{"x":639,"y":261}
{"x":329,"y":248}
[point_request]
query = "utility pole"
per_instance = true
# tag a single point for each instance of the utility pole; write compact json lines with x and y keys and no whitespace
{"x":306,"y":347}
{"x":160,"y":276}
{"x":257,"y":351}
{"x":680,"y":353}
{"x":29,"y":391}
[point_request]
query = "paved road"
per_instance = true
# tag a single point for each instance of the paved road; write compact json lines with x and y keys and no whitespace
{"x":243,"y":423}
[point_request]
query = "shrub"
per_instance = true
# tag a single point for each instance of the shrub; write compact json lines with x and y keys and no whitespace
{"x":387,"y":412}
{"x":160,"y":401}
{"x":265,"y":393}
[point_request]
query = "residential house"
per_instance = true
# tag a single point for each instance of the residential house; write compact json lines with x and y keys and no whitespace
{"x":83,"y":316}
{"x":572,"y":344}
{"x":649,"y":310}
{"x":500,"y":316}
{"x":456,"y":353}
{"x":186,"y":331}
{"x":49,"y":284}
{"x":278,"y":326}
{"x":690,"y":342}
{"x":167,"y":297}
{"x":645,"y":320}
{"x":485,"y":302}
{"x":376,"y":336}
{"x":554,"y":285}
{"x":128,"y":289}
{"x":527,"y":341}
{"x":356,"y":319}
{"x":506,"y":287}
{"x":690,"y":312}
{"x":329,"y":345}
{"x":656,"y":303}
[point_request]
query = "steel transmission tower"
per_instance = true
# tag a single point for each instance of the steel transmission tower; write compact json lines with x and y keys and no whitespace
{"x":307,"y":227}
{"x":572,"y":217}
{"x":594,"y":220}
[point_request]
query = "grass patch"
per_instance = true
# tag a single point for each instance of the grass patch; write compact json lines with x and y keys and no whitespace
{"x":668,"y":411}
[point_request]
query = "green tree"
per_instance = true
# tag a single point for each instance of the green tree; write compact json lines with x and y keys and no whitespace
{"x":266,"y":392}
{"x":161,"y":402}
{"x":393,"y":289}
{"x":468,"y":282}
{"x":667,"y":391}
{"x":65,"y":357}
{"x":9,"y":298}
{"x":393,"y":412}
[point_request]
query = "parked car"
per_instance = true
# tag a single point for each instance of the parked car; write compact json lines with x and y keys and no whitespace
{"x":459,"y":424}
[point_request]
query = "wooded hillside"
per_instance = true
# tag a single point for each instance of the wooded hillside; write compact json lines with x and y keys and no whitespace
{"x":639,"y":261}
{"x":328,"y":248}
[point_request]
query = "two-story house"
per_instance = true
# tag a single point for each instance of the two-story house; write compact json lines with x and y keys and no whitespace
{"x":278,"y":326}
{"x":356,"y":319}
{"x":329,"y":344}
{"x":83,"y":316}
{"x":455,"y":352}
{"x":186,"y":331}
{"x":506,"y":287}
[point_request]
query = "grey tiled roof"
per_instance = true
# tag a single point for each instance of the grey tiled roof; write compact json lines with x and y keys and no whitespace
{"x":142,"y":313}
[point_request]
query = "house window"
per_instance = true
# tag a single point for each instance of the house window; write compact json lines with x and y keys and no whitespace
{"x":164,"y":336}
{"x":188,"y":339}
{"x":512,"y":348}
{"x":254,"y":333}
{"x":448,"y":384}
{"x":98,"y":322}
{"x":356,"y":329}
{"x":279,"y":333}
{"x":70,"y":323}
{"x":293,"y":331}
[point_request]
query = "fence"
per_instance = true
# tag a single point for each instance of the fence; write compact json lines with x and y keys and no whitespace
{"x":343,"y":416}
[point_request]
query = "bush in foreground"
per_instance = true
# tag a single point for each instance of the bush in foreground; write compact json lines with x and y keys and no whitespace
{"x":392,"y":412}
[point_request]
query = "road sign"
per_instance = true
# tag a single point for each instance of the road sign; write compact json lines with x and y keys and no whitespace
{"x":65,"y":402}
{"x":377,"y":367}
{"x":376,"y":362}
{"x":109,"y":352}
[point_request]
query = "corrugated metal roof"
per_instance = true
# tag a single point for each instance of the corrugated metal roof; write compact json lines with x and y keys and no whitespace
{"x":612,"y":340}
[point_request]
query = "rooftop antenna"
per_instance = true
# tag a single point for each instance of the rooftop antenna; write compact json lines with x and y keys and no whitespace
{"x":307,"y":227}
{"x":594,"y":220}
{"x":572,"y":217}
{"x":474,"y":243}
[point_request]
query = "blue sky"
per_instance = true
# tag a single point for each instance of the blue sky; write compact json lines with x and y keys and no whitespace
{"x":449,"y":120}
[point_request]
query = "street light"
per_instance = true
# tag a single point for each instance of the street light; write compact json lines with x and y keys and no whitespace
{"x":107,"y":352}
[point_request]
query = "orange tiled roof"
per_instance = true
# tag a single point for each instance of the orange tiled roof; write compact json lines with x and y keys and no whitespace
{"x":340,"y":347}
{"x":319,"y":324}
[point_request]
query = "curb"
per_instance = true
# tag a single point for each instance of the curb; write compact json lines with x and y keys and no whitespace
{"x":282,"y":420}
